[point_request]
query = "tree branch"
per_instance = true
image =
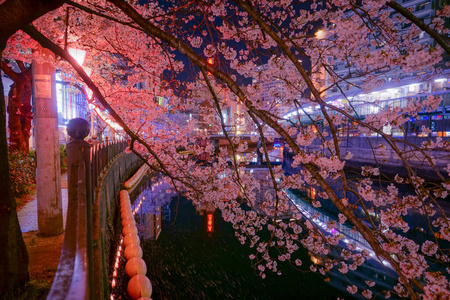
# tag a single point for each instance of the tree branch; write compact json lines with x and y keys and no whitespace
{"x":8,"y":71}
{"x":13,"y":14}
{"x":45,"y":42}
{"x":440,"y":39}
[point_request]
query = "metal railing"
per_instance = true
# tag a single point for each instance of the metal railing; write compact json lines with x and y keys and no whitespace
{"x":87,"y":163}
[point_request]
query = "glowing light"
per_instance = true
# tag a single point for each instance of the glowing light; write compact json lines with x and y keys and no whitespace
{"x":209,"y":218}
{"x":88,"y":71}
{"x":321,"y":34}
{"x":412,"y":87}
{"x":89,"y":92}
{"x":78,"y":55}
{"x":210,"y":62}
{"x":315,"y":260}
{"x":113,"y":283}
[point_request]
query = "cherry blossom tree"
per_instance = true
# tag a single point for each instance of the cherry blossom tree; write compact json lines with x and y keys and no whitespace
{"x":130,"y":44}
{"x":19,"y":107}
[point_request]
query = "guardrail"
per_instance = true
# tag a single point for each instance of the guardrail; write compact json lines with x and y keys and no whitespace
{"x":95,"y":175}
{"x":364,"y":149}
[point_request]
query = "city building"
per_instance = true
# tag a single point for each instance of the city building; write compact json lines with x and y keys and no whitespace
{"x":71,"y":104}
{"x":424,"y":10}
{"x":398,"y":89}
{"x":200,"y":113}
{"x":272,"y":90}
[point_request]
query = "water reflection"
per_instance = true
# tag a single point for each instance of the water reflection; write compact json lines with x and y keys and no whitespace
{"x":149,"y":205}
{"x":373,"y":270}
{"x":197,"y":256}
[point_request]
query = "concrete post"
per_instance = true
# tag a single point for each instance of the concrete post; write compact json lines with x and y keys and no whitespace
{"x":80,"y":192}
{"x":48,"y":170}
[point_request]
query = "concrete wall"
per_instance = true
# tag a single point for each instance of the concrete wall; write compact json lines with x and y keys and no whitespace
{"x":106,"y":218}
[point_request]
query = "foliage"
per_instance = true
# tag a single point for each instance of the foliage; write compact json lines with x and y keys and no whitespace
{"x":22,"y":171}
{"x":35,"y":289}
{"x":63,"y":157}
{"x":251,"y":43}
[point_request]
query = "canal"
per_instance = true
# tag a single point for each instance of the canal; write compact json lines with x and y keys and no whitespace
{"x":191,"y":259}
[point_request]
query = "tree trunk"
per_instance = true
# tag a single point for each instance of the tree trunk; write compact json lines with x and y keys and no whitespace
{"x":13,"y":252}
{"x":19,"y":111}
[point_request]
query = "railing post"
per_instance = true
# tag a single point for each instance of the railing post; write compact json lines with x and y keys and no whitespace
{"x":81,"y":190}
{"x":73,"y":279}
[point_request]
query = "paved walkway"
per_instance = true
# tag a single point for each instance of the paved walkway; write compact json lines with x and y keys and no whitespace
{"x":28,"y":214}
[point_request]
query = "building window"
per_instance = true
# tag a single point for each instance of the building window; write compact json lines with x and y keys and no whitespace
{"x":422,"y":6}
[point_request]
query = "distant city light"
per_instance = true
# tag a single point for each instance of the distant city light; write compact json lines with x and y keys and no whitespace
{"x":321,"y":34}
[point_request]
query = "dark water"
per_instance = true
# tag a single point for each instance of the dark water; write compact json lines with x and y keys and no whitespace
{"x":187,"y":262}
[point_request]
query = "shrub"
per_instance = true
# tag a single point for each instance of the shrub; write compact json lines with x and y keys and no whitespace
{"x":63,"y":157}
{"x":22,"y":169}
{"x":35,"y":289}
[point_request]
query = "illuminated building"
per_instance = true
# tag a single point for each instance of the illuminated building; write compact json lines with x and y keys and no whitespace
{"x":272,"y":90}
{"x":398,"y":89}
{"x":71,"y":104}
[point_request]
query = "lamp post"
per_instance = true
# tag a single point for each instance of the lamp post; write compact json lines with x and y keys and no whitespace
{"x":93,"y":135}
{"x":48,"y":170}
{"x":80,"y":55}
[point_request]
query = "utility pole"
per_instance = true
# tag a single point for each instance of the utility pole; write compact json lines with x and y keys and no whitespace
{"x":48,"y":169}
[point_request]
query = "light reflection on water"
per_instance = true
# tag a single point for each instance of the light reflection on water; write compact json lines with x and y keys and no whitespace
{"x":372,"y":270}
{"x":196,"y":256}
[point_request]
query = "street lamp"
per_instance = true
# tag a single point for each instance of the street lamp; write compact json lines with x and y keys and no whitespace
{"x":80,"y":55}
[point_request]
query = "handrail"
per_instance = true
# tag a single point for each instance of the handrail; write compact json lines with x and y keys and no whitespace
{"x":74,"y":278}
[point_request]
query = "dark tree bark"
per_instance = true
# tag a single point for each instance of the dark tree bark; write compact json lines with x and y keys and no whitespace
{"x":16,"y":13}
{"x":13,"y":253}
{"x":19,"y":108}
